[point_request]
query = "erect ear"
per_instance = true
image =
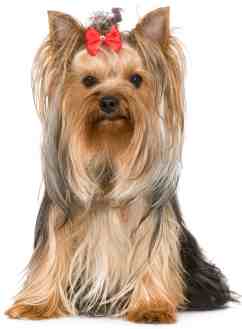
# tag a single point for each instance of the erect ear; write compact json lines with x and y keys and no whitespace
{"x":156,"y":25}
{"x":62,"y":27}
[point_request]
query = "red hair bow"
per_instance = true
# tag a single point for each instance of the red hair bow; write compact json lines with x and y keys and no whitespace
{"x":93,"y":40}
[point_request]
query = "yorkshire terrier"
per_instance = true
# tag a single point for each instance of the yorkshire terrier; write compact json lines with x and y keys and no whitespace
{"x":110,"y":239}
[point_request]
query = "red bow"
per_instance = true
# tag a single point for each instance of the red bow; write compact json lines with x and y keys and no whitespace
{"x":93,"y":40}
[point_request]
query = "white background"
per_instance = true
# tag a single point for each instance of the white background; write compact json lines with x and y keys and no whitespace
{"x":210,"y":187}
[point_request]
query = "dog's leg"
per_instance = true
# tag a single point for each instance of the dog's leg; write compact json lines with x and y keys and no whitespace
{"x":149,"y":304}
{"x":158,"y":291}
{"x":44,"y":292}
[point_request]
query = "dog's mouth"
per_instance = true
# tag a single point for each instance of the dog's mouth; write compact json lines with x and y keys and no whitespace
{"x":110,"y":130}
{"x":111,"y":118}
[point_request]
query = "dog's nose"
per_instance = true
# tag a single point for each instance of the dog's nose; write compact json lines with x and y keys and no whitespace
{"x":109,"y":104}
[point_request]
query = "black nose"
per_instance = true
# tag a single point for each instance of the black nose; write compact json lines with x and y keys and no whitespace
{"x":109,"y":104}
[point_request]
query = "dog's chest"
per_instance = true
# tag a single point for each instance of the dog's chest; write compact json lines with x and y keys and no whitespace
{"x":104,"y":257}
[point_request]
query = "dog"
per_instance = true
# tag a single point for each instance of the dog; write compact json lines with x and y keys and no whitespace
{"x":110,"y":239}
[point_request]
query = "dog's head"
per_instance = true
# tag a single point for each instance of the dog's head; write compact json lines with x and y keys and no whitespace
{"x":124,"y":107}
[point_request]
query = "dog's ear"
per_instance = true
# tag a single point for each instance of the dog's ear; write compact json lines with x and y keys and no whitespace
{"x":62,"y":27}
{"x":156,"y":25}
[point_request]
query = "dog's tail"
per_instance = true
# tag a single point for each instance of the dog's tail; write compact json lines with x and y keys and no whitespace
{"x":206,"y":286}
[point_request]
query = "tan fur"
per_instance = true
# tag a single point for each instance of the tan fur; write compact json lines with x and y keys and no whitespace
{"x":158,"y":293}
{"x":43,"y":294}
{"x":115,"y":260}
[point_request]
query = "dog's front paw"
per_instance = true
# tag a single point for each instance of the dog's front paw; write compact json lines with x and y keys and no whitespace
{"x":31,"y":312}
{"x":152,"y":315}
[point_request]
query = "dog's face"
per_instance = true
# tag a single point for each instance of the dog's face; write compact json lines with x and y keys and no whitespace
{"x":108,"y":97}
{"x":117,"y":110}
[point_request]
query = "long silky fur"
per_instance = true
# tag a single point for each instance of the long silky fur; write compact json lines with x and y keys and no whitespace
{"x":94,"y":261}
{"x":206,"y":286}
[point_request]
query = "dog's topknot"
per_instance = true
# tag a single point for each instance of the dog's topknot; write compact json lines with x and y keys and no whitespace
{"x":103,"y":20}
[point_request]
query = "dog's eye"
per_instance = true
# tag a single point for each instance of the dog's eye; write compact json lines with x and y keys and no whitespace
{"x":136,"y":80}
{"x":89,"y":81}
